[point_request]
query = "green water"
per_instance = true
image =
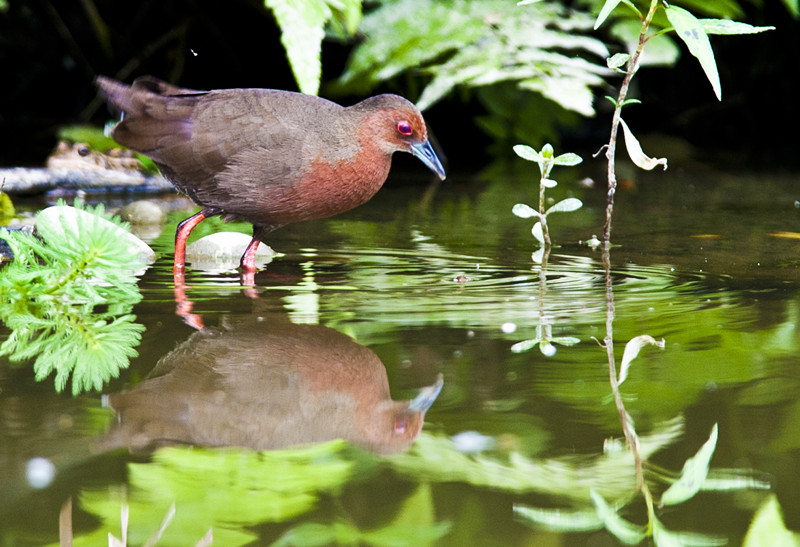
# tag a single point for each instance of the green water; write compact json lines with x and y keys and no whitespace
{"x":439,"y":280}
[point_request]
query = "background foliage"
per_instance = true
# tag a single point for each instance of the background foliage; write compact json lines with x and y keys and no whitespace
{"x":419,"y":48}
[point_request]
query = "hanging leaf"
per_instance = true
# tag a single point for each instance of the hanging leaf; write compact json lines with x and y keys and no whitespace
{"x":635,"y":152}
{"x":632,"y":350}
{"x":565,"y":206}
{"x":691,"y":31}
{"x":302,"y":24}
{"x":537,"y":232}
{"x":608,"y":7}
{"x":693,"y":474}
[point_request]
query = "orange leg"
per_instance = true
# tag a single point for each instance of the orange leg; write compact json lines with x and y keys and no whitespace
{"x":181,"y":235}
{"x":248,"y":262}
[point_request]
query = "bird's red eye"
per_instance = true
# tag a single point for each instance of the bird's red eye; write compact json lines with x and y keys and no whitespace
{"x":404,"y":128}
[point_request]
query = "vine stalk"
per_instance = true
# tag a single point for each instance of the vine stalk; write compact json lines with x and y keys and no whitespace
{"x":611,"y":147}
{"x":631,"y":437}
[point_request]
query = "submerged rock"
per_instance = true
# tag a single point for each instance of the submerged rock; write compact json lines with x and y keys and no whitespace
{"x":145,"y":217}
{"x":221,"y":252}
{"x":142,"y":212}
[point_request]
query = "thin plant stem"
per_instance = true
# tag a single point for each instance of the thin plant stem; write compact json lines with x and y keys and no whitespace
{"x":542,"y":216}
{"x":627,"y":426}
{"x":628,"y":429}
{"x":611,"y":148}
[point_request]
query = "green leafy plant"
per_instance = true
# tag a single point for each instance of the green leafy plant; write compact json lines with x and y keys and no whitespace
{"x":7,"y":210}
{"x":473,"y":44}
{"x":303,"y":24}
{"x":510,"y":58}
{"x":546,"y":159}
{"x":694,"y":33}
{"x":67,"y":297}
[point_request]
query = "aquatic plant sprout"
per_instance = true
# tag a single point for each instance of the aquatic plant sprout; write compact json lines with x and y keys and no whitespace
{"x":546,"y":160}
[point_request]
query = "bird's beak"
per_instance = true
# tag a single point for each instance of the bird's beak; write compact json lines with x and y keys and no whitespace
{"x":427,"y":395}
{"x":424,"y":151}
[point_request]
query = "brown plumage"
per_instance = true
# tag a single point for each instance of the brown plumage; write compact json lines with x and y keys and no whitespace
{"x":265,"y":383}
{"x":265,"y":156}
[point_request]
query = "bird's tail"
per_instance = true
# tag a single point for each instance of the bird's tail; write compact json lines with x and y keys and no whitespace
{"x":150,"y":110}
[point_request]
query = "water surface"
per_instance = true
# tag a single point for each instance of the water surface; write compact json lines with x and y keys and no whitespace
{"x":439,"y":280}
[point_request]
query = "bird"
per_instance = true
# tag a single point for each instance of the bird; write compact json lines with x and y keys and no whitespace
{"x":265,"y":156}
{"x":264,"y":383}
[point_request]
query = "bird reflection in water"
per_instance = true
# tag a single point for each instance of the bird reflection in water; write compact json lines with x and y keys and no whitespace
{"x":265,"y":384}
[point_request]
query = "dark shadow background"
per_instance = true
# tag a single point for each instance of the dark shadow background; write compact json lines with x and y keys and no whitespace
{"x":50,"y":51}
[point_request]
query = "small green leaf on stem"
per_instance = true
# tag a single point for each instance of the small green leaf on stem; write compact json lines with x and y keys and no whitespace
{"x":565,"y":206}
{"x":635,"y":152}
{"x":567,"y":160}
{"x":525,"y":345}
{"x":524,"y":211}
{"x":691,"y":31}
{"x":617,"y":60}
{"x":548,"y":183}
{"x":527,"y":153}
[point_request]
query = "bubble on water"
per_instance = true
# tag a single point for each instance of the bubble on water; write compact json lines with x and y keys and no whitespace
{"x":509,"y":327}
{"x":472,"y":442}
{"x":40,"y":472}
